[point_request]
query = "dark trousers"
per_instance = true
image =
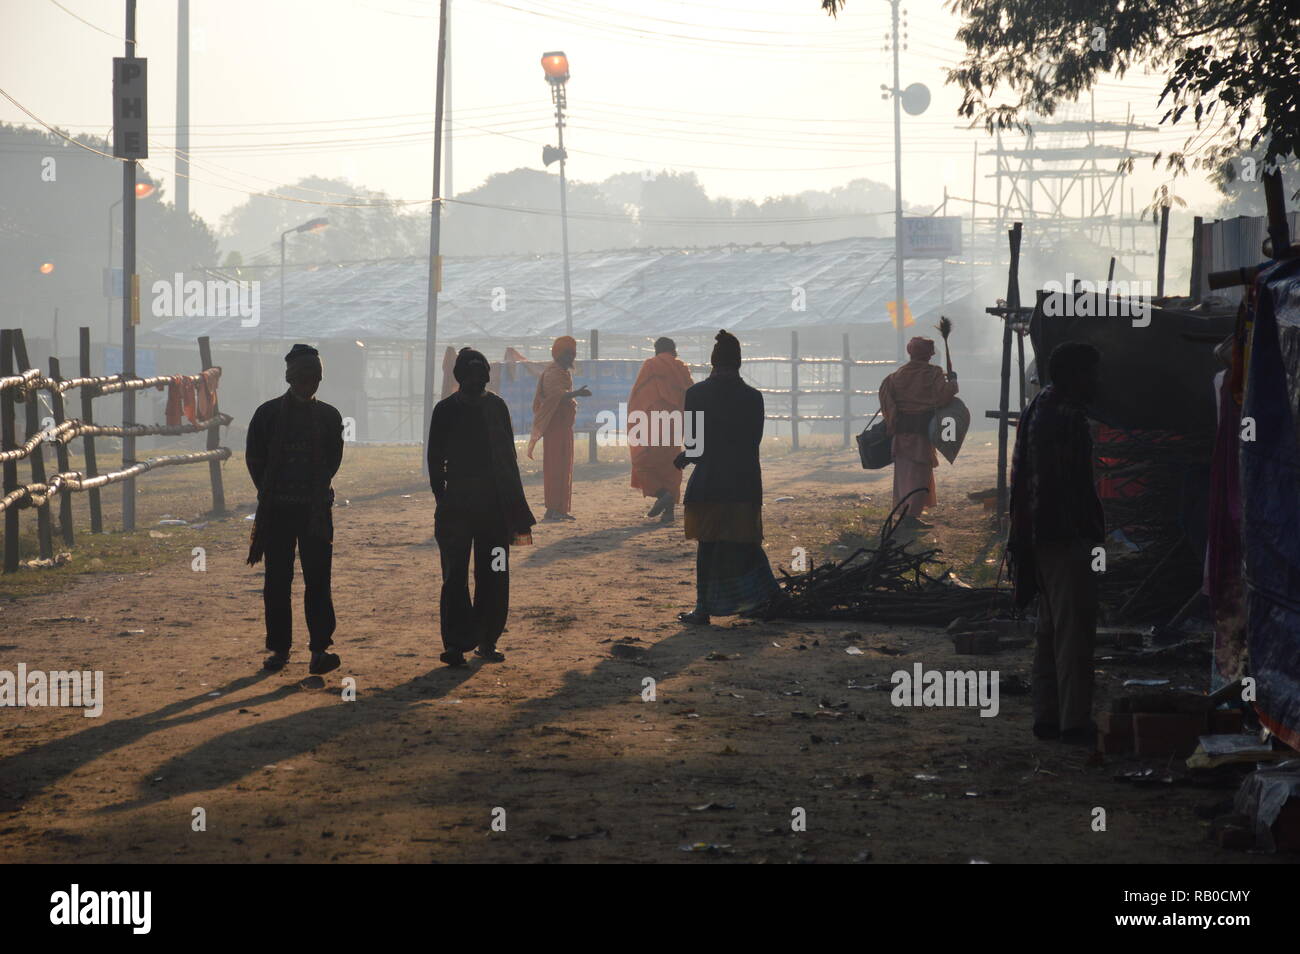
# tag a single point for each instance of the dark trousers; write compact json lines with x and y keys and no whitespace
{"x":473,"y":623}
{"x":1066,"y":634}
{"x":287,"y":532}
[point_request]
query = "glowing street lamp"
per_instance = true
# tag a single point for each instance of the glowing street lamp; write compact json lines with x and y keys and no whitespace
{"x":555,"y":66}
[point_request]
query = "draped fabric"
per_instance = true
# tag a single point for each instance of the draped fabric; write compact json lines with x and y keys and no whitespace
{"x":908,"y":397}
{"x":553,"y":416}
{"x":1270,"y":495}
{"x":660,"y":386}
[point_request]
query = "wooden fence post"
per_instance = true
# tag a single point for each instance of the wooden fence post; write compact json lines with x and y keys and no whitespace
{"x":1004,"y":402}
{"x":8,"y":442}
{"x":848,"y":392}
{"x":44,"y":531}
{"x":61,"y":455}
{"x":594,"y":339}
{"x":88,"y":393}
{"x":1198,"y":263}
{"x":214,"y":437}
{"x":794,"y":390}
{"x":1160,"y":260}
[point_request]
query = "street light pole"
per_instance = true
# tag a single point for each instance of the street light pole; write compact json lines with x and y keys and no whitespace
{"x":556,"y":67}
{"x":282,"y":238}
{"x":435,"y":234}
{"x":564,"y":211}
{"x":897,"y":93}
{"x":128,"y":287}
{"x":313,"y":225}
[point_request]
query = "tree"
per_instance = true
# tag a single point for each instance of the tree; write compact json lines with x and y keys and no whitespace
{"x":1234,"y":65}
{"x":56,"y":210}
{"x":362,"y":224}
{"x":518,"y":213}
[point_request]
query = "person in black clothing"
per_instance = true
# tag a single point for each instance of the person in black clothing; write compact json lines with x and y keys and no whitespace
{"x":474,"y":475}
{"x":1056,"y":522}
{"x":295,"y":446}
{"x":724,"y":497}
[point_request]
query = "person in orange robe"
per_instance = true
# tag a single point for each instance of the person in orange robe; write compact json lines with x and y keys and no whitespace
{"x":660,"y":387}
{"x":908,"y":399}
{"x":554,"y":411}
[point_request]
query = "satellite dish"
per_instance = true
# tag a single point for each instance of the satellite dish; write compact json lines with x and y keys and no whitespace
{"x":916,"y":99}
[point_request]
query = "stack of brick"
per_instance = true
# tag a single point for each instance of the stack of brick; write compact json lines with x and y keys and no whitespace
{"x":1159,"y":725}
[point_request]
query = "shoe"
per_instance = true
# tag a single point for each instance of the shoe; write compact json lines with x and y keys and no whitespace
{"x":669,"y":516}
{"x":453,"y":658}
{"x":1086,"y":736}
{"x":913,"y":523}
{"x":275,"y":662}
{"x":1046,"y":730}
{"x":694,"y":617}
{"x":322,"y":663}
{"x":664,"y":499}
{"x":565,"y":516}
{"x":489,"y":654}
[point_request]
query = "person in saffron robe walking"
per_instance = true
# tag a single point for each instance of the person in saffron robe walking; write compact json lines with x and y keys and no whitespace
{"x":908,"y":399}
{"x":660,"y":394}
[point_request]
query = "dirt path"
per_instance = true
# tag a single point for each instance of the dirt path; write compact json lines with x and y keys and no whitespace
{"x":558,"y":736}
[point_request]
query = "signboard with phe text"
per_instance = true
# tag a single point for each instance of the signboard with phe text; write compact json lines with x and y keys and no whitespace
{"x":130,"y":108}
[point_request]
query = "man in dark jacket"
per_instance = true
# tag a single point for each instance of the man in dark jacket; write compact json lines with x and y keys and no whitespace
{"x":1056,"y":521}
{"x":474,"y":474}
{"x":294,"y":448}
{"x":724,"y":497}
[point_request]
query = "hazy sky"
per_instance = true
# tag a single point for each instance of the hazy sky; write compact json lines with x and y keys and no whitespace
{"x":758,"y":97}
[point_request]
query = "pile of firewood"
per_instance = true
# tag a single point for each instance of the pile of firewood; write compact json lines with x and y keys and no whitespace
{"x":890,"y":583}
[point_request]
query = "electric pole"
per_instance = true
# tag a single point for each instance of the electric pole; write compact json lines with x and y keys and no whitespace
{"x":897,"y":94}
{"x":183,"y":109}
{"x":435,"y":233}
{"x":129,"y":292}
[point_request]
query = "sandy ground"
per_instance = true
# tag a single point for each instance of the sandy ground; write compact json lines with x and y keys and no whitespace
{"x":752,"y":721}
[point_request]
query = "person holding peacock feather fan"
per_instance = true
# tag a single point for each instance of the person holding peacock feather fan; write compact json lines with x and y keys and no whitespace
{"x":908,"y":399}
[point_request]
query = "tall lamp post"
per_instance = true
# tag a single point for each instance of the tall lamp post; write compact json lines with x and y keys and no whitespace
{"x":315,"y":225}
{"x":556,"y":67}
{"x":142,"y":190}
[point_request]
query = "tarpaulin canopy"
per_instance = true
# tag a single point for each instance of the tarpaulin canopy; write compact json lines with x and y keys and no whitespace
{"x":743,"y":289}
